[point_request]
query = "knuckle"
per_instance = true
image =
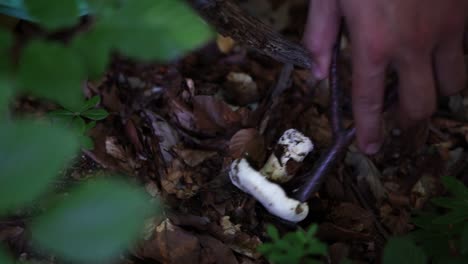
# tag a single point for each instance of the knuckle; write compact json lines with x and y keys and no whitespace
{"x":377,"y":51}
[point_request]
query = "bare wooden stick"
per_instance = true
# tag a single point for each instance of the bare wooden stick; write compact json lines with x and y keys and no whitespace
{"x":230,"y":20}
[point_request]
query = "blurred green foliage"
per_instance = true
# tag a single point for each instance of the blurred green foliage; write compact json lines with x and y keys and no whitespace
{"x":295,"y":247}
{"x":442,"y":233}
{"x":95,"y":221}
{"x":75,"y":119}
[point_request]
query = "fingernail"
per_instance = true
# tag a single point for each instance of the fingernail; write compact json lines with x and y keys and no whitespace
{"x":372,"y":148}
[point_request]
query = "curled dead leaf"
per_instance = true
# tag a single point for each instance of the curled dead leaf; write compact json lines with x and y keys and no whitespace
{"x":214,"y":115}
{"x":180,"y":181}
{"x":225,"y":44}
{"x":193,"y":157}
{"x":240,"y":89}
{"x":248,"y":142}
{"x":171,"y":244}
{"x":367,"y":173}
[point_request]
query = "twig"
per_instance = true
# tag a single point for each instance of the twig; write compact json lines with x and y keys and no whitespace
{"x":230,"y":20}
{"x":366,"y":205}
{"x":282,"y":84}
{"x":342,"y":137}
{"x":335,"y":93}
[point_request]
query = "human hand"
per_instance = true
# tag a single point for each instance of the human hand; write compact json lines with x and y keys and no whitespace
{"x":422,"y":40}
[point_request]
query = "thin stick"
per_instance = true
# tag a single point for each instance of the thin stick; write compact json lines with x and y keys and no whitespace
{"x":335,"y":92}
{"x":230,"y":20}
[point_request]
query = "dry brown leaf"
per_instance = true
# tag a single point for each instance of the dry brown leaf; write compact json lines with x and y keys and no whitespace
{"x":184,"y":183}
{"x":367,"y":173}
{"x":225,"y":44}
{"x":167,"y":135}
{"x":214,"y":251}
{"x":240,"y":89}
{"x":248,"y":142}
{"x":193,"y":157}
{"x":171,"y":244}
{"x":395,"y":219}
{"x":331,"y":232}
{"x":114,"y":149}
{"x":317,"y":127}
{"x":214,"y":115}
{"x":181,"y":114}
{"x":352,"y":217}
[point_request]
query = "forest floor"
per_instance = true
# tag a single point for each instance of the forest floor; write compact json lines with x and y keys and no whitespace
{"x":176,"y":128}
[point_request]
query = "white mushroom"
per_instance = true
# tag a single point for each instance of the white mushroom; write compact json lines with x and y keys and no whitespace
{"x":269,"y":194}
{"x":291,"y":145}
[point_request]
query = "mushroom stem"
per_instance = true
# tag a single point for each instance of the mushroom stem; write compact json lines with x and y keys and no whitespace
{"x":268,"y":193}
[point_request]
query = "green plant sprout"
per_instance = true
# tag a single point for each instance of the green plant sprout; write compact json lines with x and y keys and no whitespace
{"x":294,"y":247}
{"x":77,"y":119}
{"x":442,"y":236}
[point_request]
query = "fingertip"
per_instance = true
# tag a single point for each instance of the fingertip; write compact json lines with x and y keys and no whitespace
{"x":320,"y":70}
{"x":370,"y":141}
{"x":320,"y":35}
{"x":372,"y":148}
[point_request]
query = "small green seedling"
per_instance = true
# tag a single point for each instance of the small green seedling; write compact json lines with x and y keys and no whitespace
{"x":295,"y":247}
{"x":78,"y":119}
{"x":442,"y":234}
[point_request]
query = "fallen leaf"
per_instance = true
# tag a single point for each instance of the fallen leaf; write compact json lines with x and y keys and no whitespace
{"x":214,"y":115}
{"x":366,"y":172}
{"x":395,"y":219}
{"x":182,"y":182}
{"x":167,"y":135}
{"x":352,"y":217}
{"x":240,"y":89}
{"x":225,"y":44}
{"x":193,"y":157}
{"x":171,"y":244}
{"x":248,"y":142}
{"x":214,"y":251}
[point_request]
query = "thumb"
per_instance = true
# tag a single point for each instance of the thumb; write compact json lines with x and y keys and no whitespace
{"x":320,"y":34}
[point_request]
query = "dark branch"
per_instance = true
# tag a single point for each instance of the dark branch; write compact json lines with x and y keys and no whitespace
{"x":230,"y":20}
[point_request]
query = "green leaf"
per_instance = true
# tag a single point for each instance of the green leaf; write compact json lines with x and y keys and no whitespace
{"x":273,"y":232}
{"x":52,"y":71}
{"x":90,"y":125}
{"x":95,"y":114}
{"x":451,"y":203}
{"x":403,"y":250}
{"x":61,"y":113}
{"x":6,"y":42}
{"x":79,"y":125}
{"x":94,"y":223}
{"x":316,"y":247}
{"x":29,"y":161}
{"x":4,"y":258}
{"x":312,"y":230}
{"x":150,"y":31}
{"x":6,"y":93}
{"x":86,"y":142}
{"x":455,"y":187}
{"x":464,"y":240}
{"x":453,"y":217}
{"x":91,"y":103}
{"x":53,"y":14}
{"x":94,"y":47}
